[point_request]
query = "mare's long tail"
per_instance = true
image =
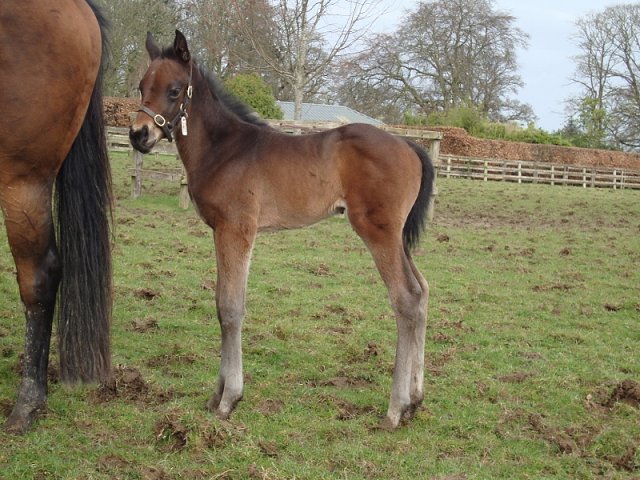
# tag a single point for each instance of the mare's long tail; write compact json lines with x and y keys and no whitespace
{"x":83,"y":205}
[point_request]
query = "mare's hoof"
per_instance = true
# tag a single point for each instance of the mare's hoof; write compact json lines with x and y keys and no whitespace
{"x":21,"y":418}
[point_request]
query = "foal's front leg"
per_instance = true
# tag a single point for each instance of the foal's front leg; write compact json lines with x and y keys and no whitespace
{"x":234,"y":244}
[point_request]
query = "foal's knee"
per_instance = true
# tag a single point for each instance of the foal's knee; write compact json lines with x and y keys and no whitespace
{"x":409,"y":303}
{"x":230,"y":313}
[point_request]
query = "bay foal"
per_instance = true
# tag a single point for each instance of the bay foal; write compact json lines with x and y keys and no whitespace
{"x":245,"y":177}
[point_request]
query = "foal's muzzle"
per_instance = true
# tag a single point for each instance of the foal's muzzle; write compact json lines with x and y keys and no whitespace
{"x":139,"y":139}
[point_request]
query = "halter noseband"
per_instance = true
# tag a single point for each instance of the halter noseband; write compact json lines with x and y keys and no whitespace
{"x":168,"y":127}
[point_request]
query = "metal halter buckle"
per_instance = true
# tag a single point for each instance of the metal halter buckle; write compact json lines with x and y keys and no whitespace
{"x":160,"y":120}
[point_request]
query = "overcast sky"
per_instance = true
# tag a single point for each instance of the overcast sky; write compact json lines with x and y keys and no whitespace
{"x":546,"y":66}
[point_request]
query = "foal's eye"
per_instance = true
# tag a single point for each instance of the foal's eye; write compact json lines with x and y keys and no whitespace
{"x":174,"y":93}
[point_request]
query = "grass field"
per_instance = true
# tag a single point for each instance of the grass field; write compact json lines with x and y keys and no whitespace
{"x":532,"y":363}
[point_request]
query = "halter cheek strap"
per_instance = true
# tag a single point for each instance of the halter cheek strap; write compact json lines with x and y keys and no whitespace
{"x":166,"y":126}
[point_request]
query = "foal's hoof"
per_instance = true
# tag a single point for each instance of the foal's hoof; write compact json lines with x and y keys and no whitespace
{"x":21,"y":419}
{"x":387,"y":425}
{"x":217,"y":406}
{"x":214,"y":402}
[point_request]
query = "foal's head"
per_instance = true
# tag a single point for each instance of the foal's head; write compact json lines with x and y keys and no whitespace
{"x":165,"y":93}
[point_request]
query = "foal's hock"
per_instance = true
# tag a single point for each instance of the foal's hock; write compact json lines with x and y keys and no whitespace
{"x":245,"y":177}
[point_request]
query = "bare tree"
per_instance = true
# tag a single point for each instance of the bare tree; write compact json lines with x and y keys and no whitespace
{"x":217,"y":38}
{"x":130,"y":20}
{"x":309,"y":35}
{"x":448,"y":54}
{"x":608,"y":72}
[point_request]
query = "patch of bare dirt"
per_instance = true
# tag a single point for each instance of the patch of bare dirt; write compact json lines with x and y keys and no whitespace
{"x":146,"y":294}
{"x":626,"y":461}
{"x":216,"y":437}
{"x":171,"y":433}
{"x":112,"y":464}
{"x":560,"y":439}
{"x":268,"y":448}
{"x":627,"y":392}
{"x":144,"y":325}
{"x":128,"y":384}
{"x":341,"y":382}
{"x":155,"y":473}
{"x":269,"y":407}
{"x":516,"y":377}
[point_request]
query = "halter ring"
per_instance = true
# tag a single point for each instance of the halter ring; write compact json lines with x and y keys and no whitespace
{"x":160,"y":120}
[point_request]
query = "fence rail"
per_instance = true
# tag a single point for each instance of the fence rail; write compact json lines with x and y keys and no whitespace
{"x":487,"y":169}
{"x":449,"y":166}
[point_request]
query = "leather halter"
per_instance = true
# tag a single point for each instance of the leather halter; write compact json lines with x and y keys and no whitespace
{"x":166,"y":126}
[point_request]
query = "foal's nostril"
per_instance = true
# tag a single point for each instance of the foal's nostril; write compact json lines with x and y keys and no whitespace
{"x":140,"y":136}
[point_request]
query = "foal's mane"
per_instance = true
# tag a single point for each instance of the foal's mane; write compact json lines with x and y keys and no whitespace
{"x":224,"y":96}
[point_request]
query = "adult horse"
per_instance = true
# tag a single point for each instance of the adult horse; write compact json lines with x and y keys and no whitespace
{"x":246,"y":177}
{"x":52,"y":131}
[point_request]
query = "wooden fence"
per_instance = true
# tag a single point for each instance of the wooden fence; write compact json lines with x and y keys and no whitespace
{"x":449,"y":166}
{"x":536,"y":172}
{"x":118,"y":140}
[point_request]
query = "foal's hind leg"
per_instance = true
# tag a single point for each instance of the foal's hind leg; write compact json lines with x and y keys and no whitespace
{"x":408,"y":293}
{"x":27,"y":210}
{"x":234,"y":244}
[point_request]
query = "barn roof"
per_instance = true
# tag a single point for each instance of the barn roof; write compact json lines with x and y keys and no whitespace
{"x":315,"y":112}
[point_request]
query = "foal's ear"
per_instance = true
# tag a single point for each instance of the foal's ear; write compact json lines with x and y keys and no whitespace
{"x":152,"y":47}
{"x":180,"y":47}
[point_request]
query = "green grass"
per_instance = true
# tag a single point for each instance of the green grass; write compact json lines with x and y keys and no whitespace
{"x":534,"y":319}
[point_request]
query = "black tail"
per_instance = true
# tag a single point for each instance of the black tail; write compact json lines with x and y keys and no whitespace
{"x":416,"y":221}
{"x":83,"y":205}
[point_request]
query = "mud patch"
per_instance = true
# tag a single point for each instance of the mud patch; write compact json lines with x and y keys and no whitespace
{"x":270,"y":449}
{"x":146,"y":294}
{"x":627,"y":392}
{"x":626,"y":461}
{"x":269,"y":407}
{"x":127,"y":383}
{"x":559,"y":439}
{"x":112,"y":464}
{"x":516,"y":377}
{"x":216,"y":438}
{"x":144,"y":325}
{"x":341,"y":382}
{"x":154,"y":473}
{"x":170,"y":433}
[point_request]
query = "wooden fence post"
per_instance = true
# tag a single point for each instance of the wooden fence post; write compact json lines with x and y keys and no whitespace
{"x":519,"y":172}
{"x":553,"y":175}
{"x":432,"y":201}
{"x":136,"y":176}
{"x":615,"y":174}
{"x":184,"y":190}
{"x":584,"y":178}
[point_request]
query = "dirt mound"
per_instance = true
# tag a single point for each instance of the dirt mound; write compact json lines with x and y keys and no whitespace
{"x":127,"y":383}
{"x":627,"y":392}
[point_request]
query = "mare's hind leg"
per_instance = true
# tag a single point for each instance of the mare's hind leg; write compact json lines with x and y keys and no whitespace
{"x":234,"y":244}
{"x":408,"y":293}
{"x":27,"y":211}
